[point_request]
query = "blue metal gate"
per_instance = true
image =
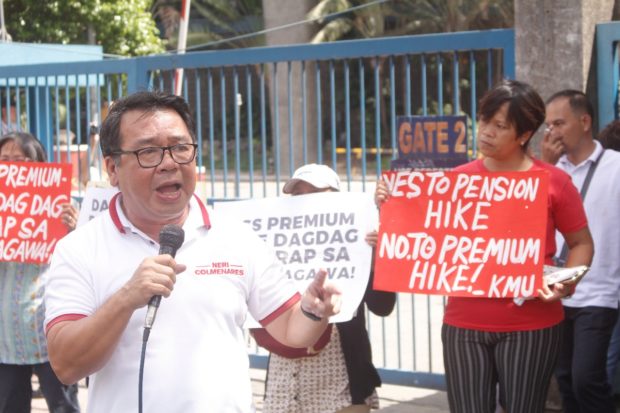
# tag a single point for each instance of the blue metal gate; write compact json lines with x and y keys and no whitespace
{"x":333,"y":103}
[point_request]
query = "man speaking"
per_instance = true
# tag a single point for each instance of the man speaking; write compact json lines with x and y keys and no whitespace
{"x":104,"y":274}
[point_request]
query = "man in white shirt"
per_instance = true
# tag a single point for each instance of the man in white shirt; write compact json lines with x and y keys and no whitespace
{"x":591,"y":313}
{"x":103,"y":275}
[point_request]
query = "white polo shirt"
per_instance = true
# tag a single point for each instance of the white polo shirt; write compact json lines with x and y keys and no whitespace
{"x":196,"y":358}
{"x":601,"y":286}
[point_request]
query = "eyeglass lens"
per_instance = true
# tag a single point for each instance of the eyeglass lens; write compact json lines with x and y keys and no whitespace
{"x":153,"y":156}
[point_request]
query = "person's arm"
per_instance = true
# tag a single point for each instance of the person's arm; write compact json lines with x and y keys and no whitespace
{"x":81,"y":347}
{"x":380,"y":303}
{"x":580,"y":252}
{"x":580,"y":248}
{"x":296,"y":329}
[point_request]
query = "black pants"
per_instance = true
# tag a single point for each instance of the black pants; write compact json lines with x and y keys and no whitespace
{"x":521,"y":362}
{"x":16,"y":389}
{"x":581,"y":369}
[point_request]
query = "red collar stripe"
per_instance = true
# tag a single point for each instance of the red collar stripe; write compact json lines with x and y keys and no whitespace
{"x":117,"y":221}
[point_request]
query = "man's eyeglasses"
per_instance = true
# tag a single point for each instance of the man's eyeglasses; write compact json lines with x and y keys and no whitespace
{"x":152,"y":156}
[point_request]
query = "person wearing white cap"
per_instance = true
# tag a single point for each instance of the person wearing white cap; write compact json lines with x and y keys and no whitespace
{"x":336,"y":374}
{"x":312,"y":178}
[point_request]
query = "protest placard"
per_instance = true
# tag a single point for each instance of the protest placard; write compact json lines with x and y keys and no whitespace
{"x":96,"y":200}
{"x":310,"y":232}
{"x":31,"y":198}
{"x":450,"y":233}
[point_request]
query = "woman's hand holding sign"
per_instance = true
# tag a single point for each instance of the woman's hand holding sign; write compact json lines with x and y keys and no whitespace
{"x":382,"y":193}
{"x":69,"y":216}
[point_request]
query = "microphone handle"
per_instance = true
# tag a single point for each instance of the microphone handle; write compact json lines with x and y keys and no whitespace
{"x":155,"y":300}
{"x":151,"y":310}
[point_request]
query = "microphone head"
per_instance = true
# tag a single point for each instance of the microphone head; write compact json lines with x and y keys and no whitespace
{"x":171,"y":238}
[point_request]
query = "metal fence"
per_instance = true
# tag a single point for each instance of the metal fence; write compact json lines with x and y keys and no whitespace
{"x":262,"y":112}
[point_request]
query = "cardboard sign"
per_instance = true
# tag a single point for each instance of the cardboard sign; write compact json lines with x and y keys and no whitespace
{"x":450,"y":233}
{"x":31,"y":197}
{"x":96,"y":200}
{"x":431,"y":142}
{"x":310,"y":232}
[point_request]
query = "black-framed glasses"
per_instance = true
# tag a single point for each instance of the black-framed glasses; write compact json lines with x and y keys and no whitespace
{"x":152,"y":156}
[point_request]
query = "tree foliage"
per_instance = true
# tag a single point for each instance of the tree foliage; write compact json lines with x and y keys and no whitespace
{"x":403,"y":17}
{"x":213,"y":21}
{"x":122,"y":27}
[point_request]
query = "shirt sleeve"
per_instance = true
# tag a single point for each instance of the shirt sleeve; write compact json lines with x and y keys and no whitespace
{"x":69,"y":291}
{"x":271,"y":292}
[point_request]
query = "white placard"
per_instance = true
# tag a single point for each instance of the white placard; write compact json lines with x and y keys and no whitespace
{"x":310,"y":232}
{"x":96,"y":200}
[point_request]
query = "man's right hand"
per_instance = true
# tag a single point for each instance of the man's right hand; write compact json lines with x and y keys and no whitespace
{"x":78,"y":348}
{"x":552,"y":148}
{"x":154,"y":276}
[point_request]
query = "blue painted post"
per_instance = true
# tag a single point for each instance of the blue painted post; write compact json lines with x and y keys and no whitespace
{"x":250,"y":116}
{"x":237,"y":120}
{"x":224,"y":134}
{"x":304,"y":117}
{"x":362,"y":119}
{"x":377,"y":71}
{"x":439,"y":85}
{"x":424,"y":88}
{"x":347,"y":117}
{"x":276,"y":142}
{"x":319,"y":119}
{"x":263,"y":128}
{"x":606,"y":36}
{"x":199,"y":126}
{"x":473,"y":102}
{"x":332,"y":95}
{"x":392,"y":107}
{"x":289,"y":108}
{"x":211,"y":131}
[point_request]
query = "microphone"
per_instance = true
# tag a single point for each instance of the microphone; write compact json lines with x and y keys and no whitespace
{"x":170,"y":240}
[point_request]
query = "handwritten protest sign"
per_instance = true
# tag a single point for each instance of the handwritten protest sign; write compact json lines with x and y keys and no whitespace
{"x":451,"y":233}
{"x":31,"y":196}
{"x":310,"y":232}
{"x":96,"y":200}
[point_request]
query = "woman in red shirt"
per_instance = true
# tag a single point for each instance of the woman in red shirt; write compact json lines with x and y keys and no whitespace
{"x":491,"y":343}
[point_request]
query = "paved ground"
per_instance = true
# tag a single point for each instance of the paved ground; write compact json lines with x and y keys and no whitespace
{"x":393,"y":399}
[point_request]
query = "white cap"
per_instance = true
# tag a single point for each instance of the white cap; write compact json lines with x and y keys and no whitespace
{"x":319,"y":176}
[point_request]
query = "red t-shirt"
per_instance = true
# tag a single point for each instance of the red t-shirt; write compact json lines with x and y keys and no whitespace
{"x":566,"y":214}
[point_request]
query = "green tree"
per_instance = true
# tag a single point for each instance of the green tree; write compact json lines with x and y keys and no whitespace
{"x":212,"y":21}
{"x":363,"y":23}
{"x":435,"y":16}
{"x":122,"y":27}
{"x":397,"y":18}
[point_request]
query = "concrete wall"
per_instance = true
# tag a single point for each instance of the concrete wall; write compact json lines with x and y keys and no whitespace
{"x":554,"y":41}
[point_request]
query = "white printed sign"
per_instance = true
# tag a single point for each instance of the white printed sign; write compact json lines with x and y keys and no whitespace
{"x":310,"y":232}
{"x":96,"y":200}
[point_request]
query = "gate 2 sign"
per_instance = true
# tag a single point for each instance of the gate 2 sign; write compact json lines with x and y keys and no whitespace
{"x":432,"y":141}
